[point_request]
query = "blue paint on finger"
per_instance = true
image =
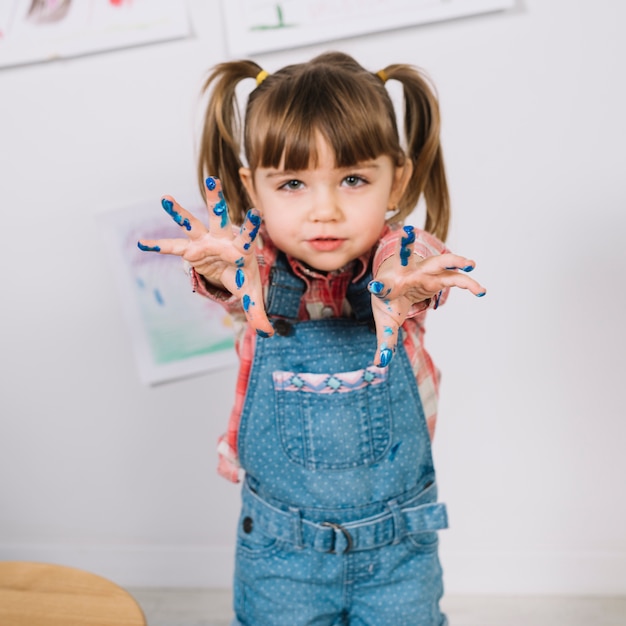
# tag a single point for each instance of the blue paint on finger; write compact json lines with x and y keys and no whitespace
{"x":239,"y":278}
{"x":262,"y":333}
{"x":246,"y":302}
{"x":385,"y":357}
{"x":468,"y":268}
{"x":388,"y":330}
{"x":437,"y":300}
{"x":255,"y":219}
{"x":210,"y":183}
{"x":481,"y":294}
{"x":221,"y":210}
{"x":168,"y":205}
{"x":405,"y":250}
{"x":375,"y":287}
{"x":148,"y":248}
{"x":239,"y":262}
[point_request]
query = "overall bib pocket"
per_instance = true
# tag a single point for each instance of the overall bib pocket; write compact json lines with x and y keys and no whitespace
{"x":333,"y":421}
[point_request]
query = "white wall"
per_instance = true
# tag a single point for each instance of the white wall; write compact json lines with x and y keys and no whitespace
{"x":99,"y":472}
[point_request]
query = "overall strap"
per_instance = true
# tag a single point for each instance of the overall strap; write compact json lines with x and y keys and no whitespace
{"x":360,"y":298}
{"x":285,"y":290}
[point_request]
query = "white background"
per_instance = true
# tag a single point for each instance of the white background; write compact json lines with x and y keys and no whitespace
{"x":100,"y":472}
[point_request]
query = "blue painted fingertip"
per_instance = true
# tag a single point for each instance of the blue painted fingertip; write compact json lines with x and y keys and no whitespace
{"x":148,"y":248}
{"x":262,"y":333}
{"x":410,"y":232}
{"x":481,"y":294}
{"x":375,"y":287}
{"x":468,"y":268}
{"x":385,"y":357}
{"x":168,"y":205}
{"x":246,"y":302}
{"x":239,"y":278}
{"x":210,"y":183}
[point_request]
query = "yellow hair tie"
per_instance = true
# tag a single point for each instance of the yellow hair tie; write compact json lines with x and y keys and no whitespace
{"x":261,"y":76}
{"x":382,"y":75}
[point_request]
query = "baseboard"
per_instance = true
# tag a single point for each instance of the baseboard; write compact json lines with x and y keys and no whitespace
{"x":511,"y":573}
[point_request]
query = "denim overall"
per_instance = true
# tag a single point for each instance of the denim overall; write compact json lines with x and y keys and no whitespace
{"x":339,"y":515}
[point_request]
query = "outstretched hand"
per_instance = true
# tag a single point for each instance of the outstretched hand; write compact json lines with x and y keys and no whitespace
{"x":405,"y":279}
{"x":224,"y":259}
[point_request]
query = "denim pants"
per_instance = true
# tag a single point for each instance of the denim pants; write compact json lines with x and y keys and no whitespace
{"x":339,"y":512}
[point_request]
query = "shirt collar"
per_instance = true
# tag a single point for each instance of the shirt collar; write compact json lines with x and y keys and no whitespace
{"x":356,"y":269}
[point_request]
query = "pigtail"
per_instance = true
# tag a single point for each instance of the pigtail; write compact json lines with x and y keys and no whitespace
{"x":220,"y":143}
{"x":422,"y":128}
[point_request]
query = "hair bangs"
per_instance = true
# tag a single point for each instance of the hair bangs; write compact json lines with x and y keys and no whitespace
{"x":356,"y":124}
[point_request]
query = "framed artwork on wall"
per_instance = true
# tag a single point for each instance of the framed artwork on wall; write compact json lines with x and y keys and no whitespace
{"x":257,"y":26}
{"x":174,"y":333}
{"x":32,"y":31}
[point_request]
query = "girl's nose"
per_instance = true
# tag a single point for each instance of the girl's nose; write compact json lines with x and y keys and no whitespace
{"x":326,"y":207}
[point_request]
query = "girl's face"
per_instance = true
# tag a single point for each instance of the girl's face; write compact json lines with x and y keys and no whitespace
{"x":326,"y":216}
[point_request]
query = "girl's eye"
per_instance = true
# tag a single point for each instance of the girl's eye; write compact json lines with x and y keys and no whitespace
{"x":292,"y":185}
{"x":354,"y":181}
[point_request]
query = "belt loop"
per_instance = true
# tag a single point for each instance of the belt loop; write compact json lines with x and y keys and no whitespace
{"x":399,"y":529}
{"x":296,"y":525}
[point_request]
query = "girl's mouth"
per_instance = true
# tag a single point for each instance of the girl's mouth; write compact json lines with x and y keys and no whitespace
{"x":325,"y":244}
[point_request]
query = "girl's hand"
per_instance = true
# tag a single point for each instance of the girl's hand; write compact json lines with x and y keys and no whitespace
{"x":403,"y":280}
{"x":225,"y":260}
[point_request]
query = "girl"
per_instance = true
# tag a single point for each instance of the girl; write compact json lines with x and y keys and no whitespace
{"x":335,"y":408}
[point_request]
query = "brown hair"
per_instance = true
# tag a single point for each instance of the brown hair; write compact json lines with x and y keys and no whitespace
{"x":331,"y":94}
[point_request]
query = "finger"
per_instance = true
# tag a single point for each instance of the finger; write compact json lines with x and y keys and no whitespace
{"x":176,"y":247}
{"x":462,"y":281}
{"x":245,"y":277}
{"x":407,"y":242}
{"x":246,"y":285}
{"x":388,"y":317}
{"x":449,"y":262}
{"x":219,"y":222}
{"x":248,"y":231}
{"x":192,"y":226}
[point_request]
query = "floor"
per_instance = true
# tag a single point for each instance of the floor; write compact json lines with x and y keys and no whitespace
{"x":204,"y":607}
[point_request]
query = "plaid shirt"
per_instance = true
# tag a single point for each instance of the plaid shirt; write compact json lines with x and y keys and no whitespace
{"x":325,"y":296}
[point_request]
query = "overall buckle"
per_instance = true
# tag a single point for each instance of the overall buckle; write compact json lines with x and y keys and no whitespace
{"x":338,"y":527}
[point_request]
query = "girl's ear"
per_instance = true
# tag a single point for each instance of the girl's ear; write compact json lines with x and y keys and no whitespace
{"x":401,"y":179}
{"x":248,"y":182}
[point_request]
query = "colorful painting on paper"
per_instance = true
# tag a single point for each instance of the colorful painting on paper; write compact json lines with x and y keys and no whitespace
{"x":39,"y":30}
{"x":175,"y":333}
{"x":255,"y":26}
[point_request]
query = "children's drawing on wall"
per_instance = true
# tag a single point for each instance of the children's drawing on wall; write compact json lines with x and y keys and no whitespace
{"x":174,"y":332}
{"x":46,"y":11}
{"x":40,"y":30}
{"x":255,"y":26}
